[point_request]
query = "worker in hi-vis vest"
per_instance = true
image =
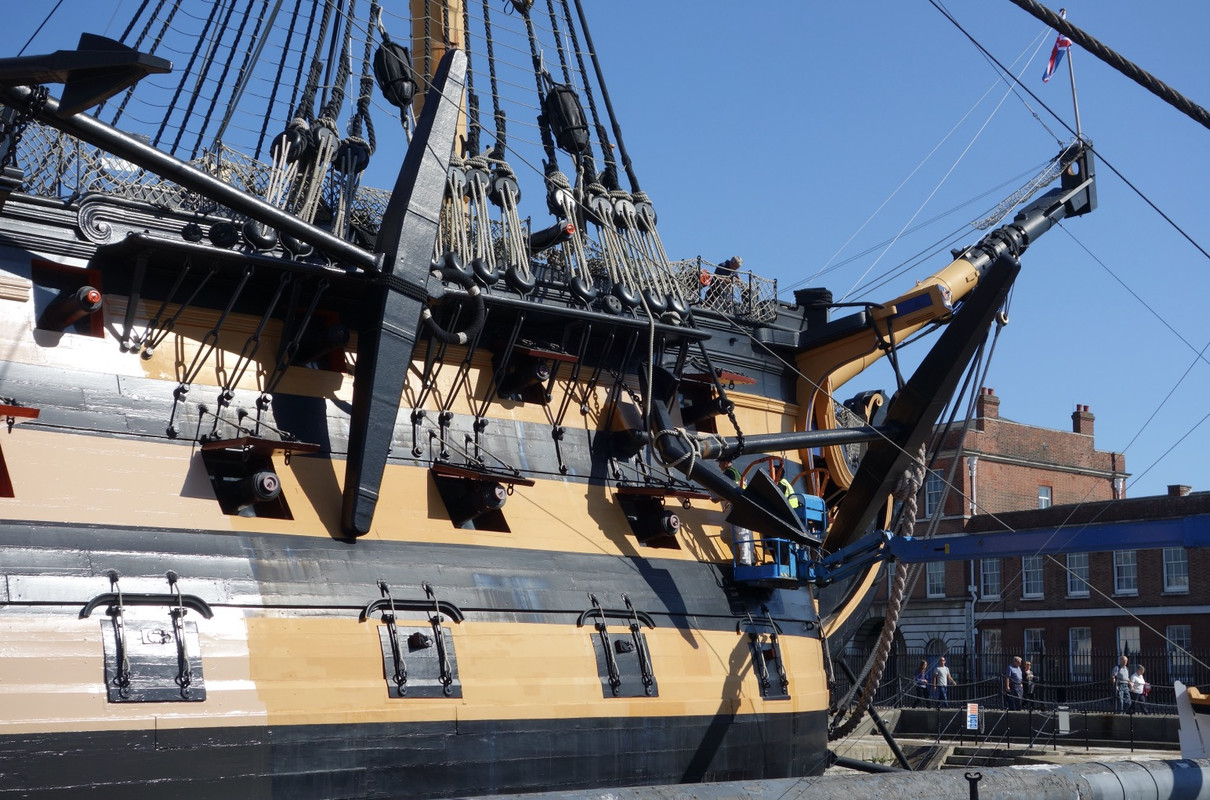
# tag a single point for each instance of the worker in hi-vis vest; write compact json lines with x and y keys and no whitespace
{"x":787,"y":488}
{"x":741,"y":537}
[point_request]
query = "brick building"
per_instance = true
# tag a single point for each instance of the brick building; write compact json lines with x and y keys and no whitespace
{"x":986,"y":466}
{"x":1102,"y":604}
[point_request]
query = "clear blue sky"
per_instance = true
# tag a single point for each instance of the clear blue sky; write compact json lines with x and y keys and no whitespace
{"x":781,"y":131}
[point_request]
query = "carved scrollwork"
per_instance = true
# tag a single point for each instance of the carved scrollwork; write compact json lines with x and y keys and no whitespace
{"x":105,"y":219}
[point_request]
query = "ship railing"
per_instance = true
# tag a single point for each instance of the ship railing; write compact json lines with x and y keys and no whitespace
{"x":763,"y":560}
{"x":60,"y":166}
{"x":743,"y":294}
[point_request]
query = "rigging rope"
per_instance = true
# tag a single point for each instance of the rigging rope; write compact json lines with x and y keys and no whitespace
{"x":1128,"y":68}
{"x":251,"y":56}
{"x":497,"y":111}
{"x":474,"y":126}
{"x":138,"y":43}
{"x":209,"y":25}
{"x":906,"y":491}
{"x":587,"y":163}
{"x":548,"y":142}
{"x":281,"y":66}
{"x":203,"y":75}
{"x":354,"y":153}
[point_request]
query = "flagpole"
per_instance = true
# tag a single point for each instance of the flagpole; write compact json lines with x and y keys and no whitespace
{"x":1075,"y":101}
{"x":1071,"y":72}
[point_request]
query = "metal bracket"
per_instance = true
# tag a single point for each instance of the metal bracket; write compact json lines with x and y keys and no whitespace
{"x":621,"y":657}
{"x":425,"y":675}
{"x":141,"y":663}
{"x":765,"y":650}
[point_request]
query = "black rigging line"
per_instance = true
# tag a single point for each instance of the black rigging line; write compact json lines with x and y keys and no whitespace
{"x":1128,"y":68}
{"x":306,"y":105}
{"x":365,"y":86}
{"x":40,"y":27}
{"x":203,"y":75}
{"x":296,"y":102}
{"x":472,"y":97}
{"x":602,"y":134}
{"x":330,"y":83}
{"x":1071,"y":130}
{"x":558,"y":37}
{"x":336,"y":99}
{"x":137,"y":44}
{"x":240,"y":80}
{"x":584,"y":159}
{"x":281,"y":66}
{"x":499,"y":116}
{"x":548,"y":142}
{"x":180,"y":87}
{"x":613,"y":119}
{"x":138,"y":13}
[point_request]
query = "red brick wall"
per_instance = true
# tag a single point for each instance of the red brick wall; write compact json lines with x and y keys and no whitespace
{"x":1013,"y":461}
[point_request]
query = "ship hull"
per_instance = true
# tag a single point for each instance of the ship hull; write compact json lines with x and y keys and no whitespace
{"x":410,"y":759}
{"x":298,"y":694}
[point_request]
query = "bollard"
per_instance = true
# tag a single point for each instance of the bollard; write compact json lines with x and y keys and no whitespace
{"x":974,"y":778}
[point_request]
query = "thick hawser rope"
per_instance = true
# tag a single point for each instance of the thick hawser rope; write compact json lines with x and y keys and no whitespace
{"x":906,"y":491}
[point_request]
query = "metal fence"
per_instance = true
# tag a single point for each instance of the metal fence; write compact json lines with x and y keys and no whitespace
{"x":1078,"y":680}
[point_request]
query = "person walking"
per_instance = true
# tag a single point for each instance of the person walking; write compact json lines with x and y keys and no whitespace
{"x":1014,"y":681}
{"x":1029,"y":684}
{"x":1120,"y":680}
{"x":942,"y":680}
{"x":1138,"y":691}
{"x":921,"y":696}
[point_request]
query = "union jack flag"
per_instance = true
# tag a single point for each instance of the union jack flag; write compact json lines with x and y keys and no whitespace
{"x":1056,"y":56}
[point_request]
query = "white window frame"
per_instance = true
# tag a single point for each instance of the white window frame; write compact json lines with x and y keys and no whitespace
{"x":1035,"y":642}
{"x":1127,"y":640}
{"x":934,"y":490}
{"x":992,"y":644}
{"x":1125,"y":572}
{"x":1077,"y":575}
{"x":989,"y":579}
{"x":935,"y":579}
{"x":1178,"y":639}
{"x":1046,"y":496}
{"x":1032,"y":585}
{"x":1176,"y":570}
{"x":1079,"y":648}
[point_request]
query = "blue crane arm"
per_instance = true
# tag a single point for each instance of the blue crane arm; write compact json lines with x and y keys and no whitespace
{"x":1142,"y":534}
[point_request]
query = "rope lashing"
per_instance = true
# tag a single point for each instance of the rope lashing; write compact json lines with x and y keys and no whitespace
{"x":563,"y":204}
{"x":352,"y":158}
{"x":309,"y":185}
{"x":505,"y":193}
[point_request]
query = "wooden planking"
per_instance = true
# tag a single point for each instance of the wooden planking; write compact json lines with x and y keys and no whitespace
{"x":277,"y":669}
{"x":139,"y":483}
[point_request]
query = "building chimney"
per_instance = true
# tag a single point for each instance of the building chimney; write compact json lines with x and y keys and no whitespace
{"x":1081,"y":420}
{"x":1179,"y":490}
{"x":987,"y":406}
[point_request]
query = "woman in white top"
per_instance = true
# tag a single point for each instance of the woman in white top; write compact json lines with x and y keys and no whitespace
{"x":1137,"y":684}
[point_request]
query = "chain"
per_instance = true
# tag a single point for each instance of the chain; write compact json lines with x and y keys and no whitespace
{"x":16,"y":129}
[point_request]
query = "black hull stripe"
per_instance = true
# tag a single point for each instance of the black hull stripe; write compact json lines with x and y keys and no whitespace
{"x":411,"y":760}
{"x":488,"y":583}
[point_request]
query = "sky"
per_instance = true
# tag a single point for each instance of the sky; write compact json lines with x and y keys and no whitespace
{"x":832,"y":144}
